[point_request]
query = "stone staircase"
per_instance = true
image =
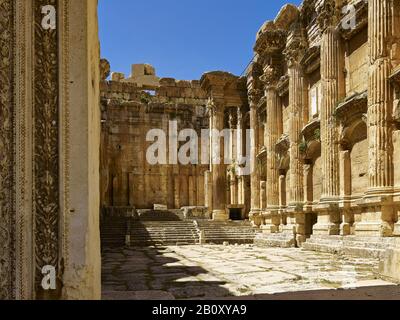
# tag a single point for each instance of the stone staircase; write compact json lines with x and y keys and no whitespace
{"x":277,"y":240}
{"x":366,"y":247}
{"x":160,"y":215}
{"x":145,"y":233}
{"x":155,"y":227}
{"x":216,"y":232}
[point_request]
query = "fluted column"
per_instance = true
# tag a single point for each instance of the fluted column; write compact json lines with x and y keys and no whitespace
{"x":333,"y":89}
{"x":218,"y":169}
{"x":296,"y":99}
{"x":273,"y":132}
{"x":379,"y":216}
{"x":254,"y":97}
{"x":297,"y":103}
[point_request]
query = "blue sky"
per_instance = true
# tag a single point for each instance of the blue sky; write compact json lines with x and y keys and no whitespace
{"x":182,"y":38}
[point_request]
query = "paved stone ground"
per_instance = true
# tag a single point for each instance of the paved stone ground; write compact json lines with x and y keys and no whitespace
{"x":215,"y":272}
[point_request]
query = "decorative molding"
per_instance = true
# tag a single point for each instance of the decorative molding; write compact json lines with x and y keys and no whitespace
{"x":7,"y":155}
{"x":271,"y":41}
{"x":46,"y":196}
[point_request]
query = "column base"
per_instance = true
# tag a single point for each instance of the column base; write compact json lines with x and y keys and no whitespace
{"x":220,"y":215}
{"x":328,"y":219}
{"x":377,"y":217}
{"x":272,"y":221}
{"x":345,"y":229}
{"x":300,"y":239}
{"x":256,"y":218}
{"x":330,"y":229}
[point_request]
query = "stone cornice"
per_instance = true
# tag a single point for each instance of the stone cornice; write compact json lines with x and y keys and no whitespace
{"x":310,"y":129}
{"x":283,"y":85}
{"x":354,"y":107}
{"x":270,"y":41}
{"x":311,"y":60}
{"x":283,"y":144}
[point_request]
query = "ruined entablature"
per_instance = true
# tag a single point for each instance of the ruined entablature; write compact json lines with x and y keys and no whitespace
{"x":105,"y":69}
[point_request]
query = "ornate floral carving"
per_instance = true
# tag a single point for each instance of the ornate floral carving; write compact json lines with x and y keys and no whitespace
{"x":328,"y":14}
{"x":271,"y":75}
{"x":254,"y":97}
{"x":308,"y":12}
{"x":7,"y":209}
{"x":271,"y":41}
{"x":295,"y":50}
{"x":46,"y":143}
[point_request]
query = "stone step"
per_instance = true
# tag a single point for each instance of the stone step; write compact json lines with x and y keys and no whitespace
{"x":368,"y":247}
{"x":277,"y":240}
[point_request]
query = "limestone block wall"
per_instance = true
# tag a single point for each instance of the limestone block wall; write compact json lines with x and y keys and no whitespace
{"x":128,"y":114}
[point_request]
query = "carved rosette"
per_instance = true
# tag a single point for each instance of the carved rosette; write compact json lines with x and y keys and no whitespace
{"x":46,"y":197}
{"x":7,"y":209}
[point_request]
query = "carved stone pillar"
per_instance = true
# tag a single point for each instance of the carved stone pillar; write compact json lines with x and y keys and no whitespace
{"x":218,"y":169}
{"x":297,"y":103}
{"x":333,"y":89}
{"x":254,"y":96}
{"x":377,"y":216}
{"x":273,"y":132}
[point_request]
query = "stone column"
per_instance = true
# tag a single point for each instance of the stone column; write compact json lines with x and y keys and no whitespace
{"x":332,"y":88}
{"x":297,"y":103}
{"x":254,"y":96}
{"x":273,"y":132}
{"x":377,"y":217}
{"x":218,"y":169}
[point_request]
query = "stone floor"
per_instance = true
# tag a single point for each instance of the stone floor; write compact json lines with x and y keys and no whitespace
{"x":214,"y":272}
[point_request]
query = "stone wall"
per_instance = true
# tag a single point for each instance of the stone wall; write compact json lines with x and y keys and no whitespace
{"x":128,"y":114}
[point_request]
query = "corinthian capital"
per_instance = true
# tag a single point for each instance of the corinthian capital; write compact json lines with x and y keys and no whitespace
{"x":211,"y":107}
{"x":254,"y":97}
{"x":295,"y":50}
{"x":271,"y":75}
{"x":328,"y":14}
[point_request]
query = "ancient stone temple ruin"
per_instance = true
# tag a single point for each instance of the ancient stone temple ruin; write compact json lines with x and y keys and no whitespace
{"x":320,"y":101}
